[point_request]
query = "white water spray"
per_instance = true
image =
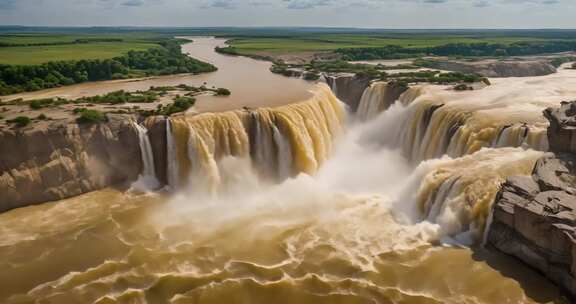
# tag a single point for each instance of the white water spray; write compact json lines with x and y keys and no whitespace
{"x":147,"y":179}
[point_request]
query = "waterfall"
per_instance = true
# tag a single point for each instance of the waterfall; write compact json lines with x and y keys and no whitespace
{"x":432,"y":129}
{"x":171,"y":162}
{"x":282,"y":142}
{"x":458,"y":193}
{"x":284,"y":154}
{"x":379,"y":96}
{"x":372,"y":101}
{"x":147,"y":179}
{"x":279,"y":142}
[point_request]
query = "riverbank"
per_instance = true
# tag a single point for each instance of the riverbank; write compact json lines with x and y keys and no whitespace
{"x":232,"y":74}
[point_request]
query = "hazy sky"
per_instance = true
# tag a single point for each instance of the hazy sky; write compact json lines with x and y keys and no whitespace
{"x":346,"y":13}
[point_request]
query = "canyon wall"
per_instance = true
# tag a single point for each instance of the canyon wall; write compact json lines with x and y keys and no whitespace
{"x":497,"y":68}
{"x":349,"y":88}
{"x":534,"y":217}
{"x":562,"y":131}
{"x":46,"y":162}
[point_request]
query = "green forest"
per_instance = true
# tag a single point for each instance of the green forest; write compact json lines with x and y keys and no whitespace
{"x":459,"y":49}
{"x":164,"y":60}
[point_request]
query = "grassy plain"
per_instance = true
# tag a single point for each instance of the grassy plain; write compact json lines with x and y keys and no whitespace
{"x":330,"y":42}
{"x":95,"y":46}
{"x":32,"y":55}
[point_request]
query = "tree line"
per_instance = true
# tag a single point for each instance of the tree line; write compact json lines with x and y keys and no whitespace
{"x":459,"y":49}
{"x":76,"y":41}
{"x":163,"y":60}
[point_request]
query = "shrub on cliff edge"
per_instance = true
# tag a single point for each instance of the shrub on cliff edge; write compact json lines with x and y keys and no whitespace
{"x":90,"y":116}
{"x":20,"y":121}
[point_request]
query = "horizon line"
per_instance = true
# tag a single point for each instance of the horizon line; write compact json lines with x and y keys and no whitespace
{"x":282,"y":27}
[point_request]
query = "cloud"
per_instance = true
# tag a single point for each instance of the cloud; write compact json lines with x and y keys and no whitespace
{"x":339,"y":13}
{"x":482,"y":4}
{"x":225,"y":4}
{"x":133,"y":3}
{"x":7,"y":4}
{"x":260,"y":3}
{"x":306,"y":4}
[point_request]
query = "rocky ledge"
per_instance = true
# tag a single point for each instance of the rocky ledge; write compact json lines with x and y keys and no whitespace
{"x":61,"y":159}
{"x":497,"y":68}
{"x":562,"y":130}
{"x":348,"y":87}
{"x":534,"y":217}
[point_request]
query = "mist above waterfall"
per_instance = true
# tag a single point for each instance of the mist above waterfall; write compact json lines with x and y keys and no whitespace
{"x":297,"y":203}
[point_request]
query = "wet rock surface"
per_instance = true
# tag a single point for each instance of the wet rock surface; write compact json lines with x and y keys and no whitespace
{"x":348,"y":88}
{"x":534,"y":217}
{"x":156,"y":126}
{"x":41,"y":163}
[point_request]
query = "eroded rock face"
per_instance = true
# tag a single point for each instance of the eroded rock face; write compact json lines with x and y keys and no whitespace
{"x":348,"y":88}
{"x":562,"y":130}
{"x":534,"y":217}
{"x":64,"y":159}
{"x":497,"y":68}
{"x":156,"y":126}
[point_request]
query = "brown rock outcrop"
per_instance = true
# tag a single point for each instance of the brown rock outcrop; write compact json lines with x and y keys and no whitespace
{"x":156,"y":126}
{"x":534,"y":218}
{"x":562,"y":130}
{"x":348,"y":88}
{"x":64,"y":159}
{"x":497,"y":68}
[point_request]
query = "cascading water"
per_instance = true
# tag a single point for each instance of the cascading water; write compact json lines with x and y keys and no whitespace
{"x":305,"y":213}
{"x":378,"y":97}
{"x":171,"y":160}
{"x":281,"y":142}
{"x":372,"y":101}
{"x":457,"y":194}
{"x":147,"y":179}
{"x":434,"y":126}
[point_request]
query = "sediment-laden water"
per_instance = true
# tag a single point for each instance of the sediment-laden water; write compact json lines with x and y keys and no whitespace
{"x":297,"y":204}
{"x":250,"y":81}
{"x":351,"y":230}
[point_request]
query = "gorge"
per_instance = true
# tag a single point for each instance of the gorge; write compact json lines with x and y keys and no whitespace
{"x":353,"y":191}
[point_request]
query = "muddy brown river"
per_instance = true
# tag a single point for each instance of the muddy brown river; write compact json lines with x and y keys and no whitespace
{"x":335,"y":235}
{"x":250,"y":81}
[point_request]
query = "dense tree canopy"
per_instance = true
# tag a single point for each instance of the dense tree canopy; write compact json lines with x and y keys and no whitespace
{"x":164,"y":60}
{"x":459,"y":49}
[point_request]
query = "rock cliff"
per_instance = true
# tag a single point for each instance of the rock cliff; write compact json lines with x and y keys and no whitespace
{"x":348,"y":88}
{"x":156,"y":126}
{"x":497,"y":68}
{"x":61,"y":159}
{"x":534,"y":218}
{"x":562,"y":131}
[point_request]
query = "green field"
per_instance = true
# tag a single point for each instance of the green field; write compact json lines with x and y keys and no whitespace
{"x":64,"y":48}
{"x":36,"y":38}
{"x":330,"y":42}
{"x":32,"y":55}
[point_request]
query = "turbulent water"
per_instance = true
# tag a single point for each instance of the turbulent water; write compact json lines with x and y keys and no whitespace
{"x":146,"y":180}
{"x":300,"y":203}
{"x":291,"y":208}
{"x":282,"y":142}
{"x":441,"y":121}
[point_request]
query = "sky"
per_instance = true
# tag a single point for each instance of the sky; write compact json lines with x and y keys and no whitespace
{"x":326,"y":13}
